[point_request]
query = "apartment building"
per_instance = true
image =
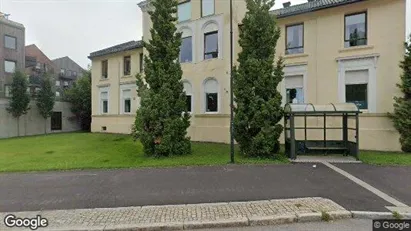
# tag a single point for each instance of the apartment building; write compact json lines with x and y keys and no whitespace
{"x":12,"y":53}
{"x":335,"y":51}
{"x":68,"y":72}
{"x":37,"y":63}
{"x":114,"y":94}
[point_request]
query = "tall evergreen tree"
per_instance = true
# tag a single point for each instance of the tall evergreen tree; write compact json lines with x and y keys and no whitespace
{"x":402,"y":106}
{"x":45,"y":99}
{"x":20,"y":98}
{"x":162,"y":120}
{"x":79,"y":97}
{"x":258,"y":103}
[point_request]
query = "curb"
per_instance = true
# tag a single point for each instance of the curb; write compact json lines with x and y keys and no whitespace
{"x":243,"y":221}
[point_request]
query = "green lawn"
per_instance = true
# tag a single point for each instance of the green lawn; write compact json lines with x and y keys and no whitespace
{"x":385,"y":158}
{"x":91,"y":150}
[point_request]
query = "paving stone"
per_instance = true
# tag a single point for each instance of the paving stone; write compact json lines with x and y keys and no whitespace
{"x":190,"y":216}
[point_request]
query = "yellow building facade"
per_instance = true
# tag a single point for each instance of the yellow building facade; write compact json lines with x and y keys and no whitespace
{"x":336,"y":51}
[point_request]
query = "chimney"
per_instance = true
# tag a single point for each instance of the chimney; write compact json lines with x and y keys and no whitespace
{"x":3,"y":15}
{"x":286,"y":4}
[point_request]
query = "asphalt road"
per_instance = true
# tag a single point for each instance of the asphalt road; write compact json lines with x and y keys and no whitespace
{"x":393,"y":180}
{"x":134,"y":187}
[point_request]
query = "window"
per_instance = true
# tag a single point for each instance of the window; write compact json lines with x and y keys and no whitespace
{"x":184,"y":11}
{"x":356,"y":88}
{"x":56,"y":121}
{"x":75,"y":73}
{"x":295,"y":39}
{"x":9,"y":66}
{"x":126,"y":100}
{"x":357,"y":93}
{"x":127,"y":65}
{"x":141,"y":62}
{"x":355,"y":30}
{"x":69,"y":73}
{"x":186,"y":50}
{"x":207,"y":7}
{"x":10,"y":42}
{"x":62,"y":71}
{"x":104,"y":102}
{"x":189,"y":96}
{"x":211,"y":45}
{"x":66,"y":83}
{"x":294,"y":86}
{"x":38,"y":66}
{"x":57,"y":94}
{"x":104,"y":69}
{"x":211,"y":95}
{"x":57,"y":83}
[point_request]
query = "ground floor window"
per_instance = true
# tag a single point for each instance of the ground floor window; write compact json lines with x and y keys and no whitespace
{"x":356,"y":88}
{"x":126,"y":98}
{"x":104,"y":102}
{"x":357,"y":93}
{"x":56,"y":121}
{"x":211,"y":95}
{"x":188,"y":90}
{"x":294,"y":86}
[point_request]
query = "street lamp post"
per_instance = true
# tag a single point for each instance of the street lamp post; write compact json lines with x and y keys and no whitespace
{"x":231,"y":87}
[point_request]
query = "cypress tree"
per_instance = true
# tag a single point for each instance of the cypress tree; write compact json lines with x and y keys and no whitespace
{"x":45,"y":99}
{"x":402,"y":106}
{"x":258,"y":109}
{"x":162,"y":119}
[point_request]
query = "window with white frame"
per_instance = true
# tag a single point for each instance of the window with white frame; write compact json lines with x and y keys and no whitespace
{"x":211,"y":95}
{"x":9,"y":66}
{"x":184,"y":11}
{"x":207,"y":7}
{"x":57,"y":83}
{"x":57,"y":94}
{"x":189,"y":96}
{"x":186,"y":50}
{"x":126,"y":100}
{"x":104,"y":102}
{"x":356,"y":88}
{"x":211,"y":45}
{"x":66,"y":83}
{"x":294,"y":87}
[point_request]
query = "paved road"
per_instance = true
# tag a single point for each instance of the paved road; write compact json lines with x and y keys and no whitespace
{"x":134,"y":187}
{"x":342,"y":225}
{"x":395,"y":181}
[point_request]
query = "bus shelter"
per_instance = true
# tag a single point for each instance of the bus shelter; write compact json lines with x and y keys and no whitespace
{"x":321,"y":129}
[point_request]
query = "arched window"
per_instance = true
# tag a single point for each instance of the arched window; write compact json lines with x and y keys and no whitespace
{"x":188,"y":89}
{"x":211,"y":40}
{"x":211,"y":95}
{"x":186,"y":48}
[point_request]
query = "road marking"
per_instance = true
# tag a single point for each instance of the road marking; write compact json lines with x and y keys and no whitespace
{"x":367,"y":186}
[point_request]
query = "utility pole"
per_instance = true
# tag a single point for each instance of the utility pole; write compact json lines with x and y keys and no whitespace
{"x":231,"y":87}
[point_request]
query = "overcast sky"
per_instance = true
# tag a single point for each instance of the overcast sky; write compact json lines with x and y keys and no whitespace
{"x":75,"y":28}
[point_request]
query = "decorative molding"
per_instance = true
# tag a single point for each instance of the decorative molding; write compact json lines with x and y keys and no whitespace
{"x":357,"y":48}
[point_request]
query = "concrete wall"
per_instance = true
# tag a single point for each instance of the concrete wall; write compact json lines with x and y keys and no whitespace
{"x":32,"y":123}
{"x":323,"y":64}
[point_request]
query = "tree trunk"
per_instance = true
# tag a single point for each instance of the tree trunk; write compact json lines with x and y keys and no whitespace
{"x":18,"y":126}
{"x":45,"y":126}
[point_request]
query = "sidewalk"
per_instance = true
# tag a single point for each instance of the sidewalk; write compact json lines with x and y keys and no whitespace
{"x":190,"y":216}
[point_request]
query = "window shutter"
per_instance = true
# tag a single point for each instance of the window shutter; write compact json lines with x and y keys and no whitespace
{"x":356,"y":77}
{"x":294,"y":82}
